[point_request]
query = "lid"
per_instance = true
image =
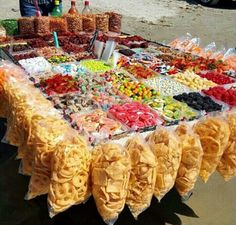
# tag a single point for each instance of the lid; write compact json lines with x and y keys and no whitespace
{"x":57,"y":2}
{"x":86,"y":2}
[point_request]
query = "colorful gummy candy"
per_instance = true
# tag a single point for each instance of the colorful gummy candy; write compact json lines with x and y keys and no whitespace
{"x":96,"y":122}
{"x":226,"y":95}
{"x":95,"y":66}
{"x":217,"y":77}
{"x":166,"y":86}
{"x":171,"y":109}
{"x":135,"y":115}
{"x":140,"y":71}
{"x":193,"y":81}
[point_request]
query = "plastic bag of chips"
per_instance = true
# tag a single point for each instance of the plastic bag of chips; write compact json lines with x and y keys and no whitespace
{"x":167,"y":149}
{"x":227,"y":165}
{"x":110,"y":173}
{"x":58,"y":25}
{"x":114,"y":22}
{"x":190,"y":161}
{"x":70,"y":165}
{"x":214,"y":135}
{"x":142,"y":176}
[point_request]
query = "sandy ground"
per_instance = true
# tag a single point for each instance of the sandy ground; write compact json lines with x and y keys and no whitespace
{"x":163,"y":20}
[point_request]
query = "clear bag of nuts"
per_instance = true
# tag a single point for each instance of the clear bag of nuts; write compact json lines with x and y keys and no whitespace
{"x":42,"y":25}
{"x":102,"y":22}
{"x":167,"y":149}
{"x":89,"y":23}
{"x":110,"y":171}
{"x":74,"y":23}
{"x":26,"y":25}
{"x":114,"y":22}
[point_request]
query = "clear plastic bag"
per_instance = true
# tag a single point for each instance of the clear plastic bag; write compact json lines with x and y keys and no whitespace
{"x":70,"y":174}
{"x":214,"y":135}
{"x":110,"y":173}
{"x":46,"y":133}
{"x":191,"y":159}
{"x":167,"y":149}
{"x":74,"y":23}
{"x":89,"y":23}
{"x":26,"y":25}
{"x":142,"y":176}
{"x":42,"y":25}
{"x":227,"y":165}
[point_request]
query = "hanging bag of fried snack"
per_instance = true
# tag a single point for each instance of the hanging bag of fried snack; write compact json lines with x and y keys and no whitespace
{"x":227,"y":165}
{"x":110,"y":170}
{"x":190,"y":161}
{"x":46,"y":134}
{"x":167,"y":149}
{"x":69,"y":174}
{"x":214,"y":135}
{"x":142,"y":176}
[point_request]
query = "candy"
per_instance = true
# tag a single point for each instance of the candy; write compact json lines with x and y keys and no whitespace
{"x":216,"y":77}
{"x":60,"y":59}
{"x":193,"y":81}
{"x":69,"y":104}
{"x":226,"y":95}
{"x":35,"y":65}
{"x":140,"y":71}
{"x":72,"y":69}
{"x":95,"y":66}
{"x":166,"y":86}
{"x":48,"y":52}
{"x":59,"y":84}
{"x":96,"y":122}
{"x":199,"y":102}
{"x":135,"y":115}
{"x":171,"y":109}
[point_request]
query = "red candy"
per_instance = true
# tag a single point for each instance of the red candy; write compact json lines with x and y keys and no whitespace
{"x":135,"y":115}
{"x":226,"y":95}
{"x":59,"y":84}
{"x":216,"y":77}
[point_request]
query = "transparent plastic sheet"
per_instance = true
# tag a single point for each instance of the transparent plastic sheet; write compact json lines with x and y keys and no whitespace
{"x":70,"y":166}
{"x":142,"y":176}
{"x":214,"y":135}
{"x":191,"y":159}
{"x":227,"y":165}
{"x":167,"y":149}
{"x":110,"y":171}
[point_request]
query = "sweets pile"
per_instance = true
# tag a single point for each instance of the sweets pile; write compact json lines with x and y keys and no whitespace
{"x":84,"y":127}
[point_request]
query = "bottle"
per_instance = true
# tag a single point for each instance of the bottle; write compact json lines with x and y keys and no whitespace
{"x":73,"y":9}
{"x":56,"y":12}
{"x":86,"y":10}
